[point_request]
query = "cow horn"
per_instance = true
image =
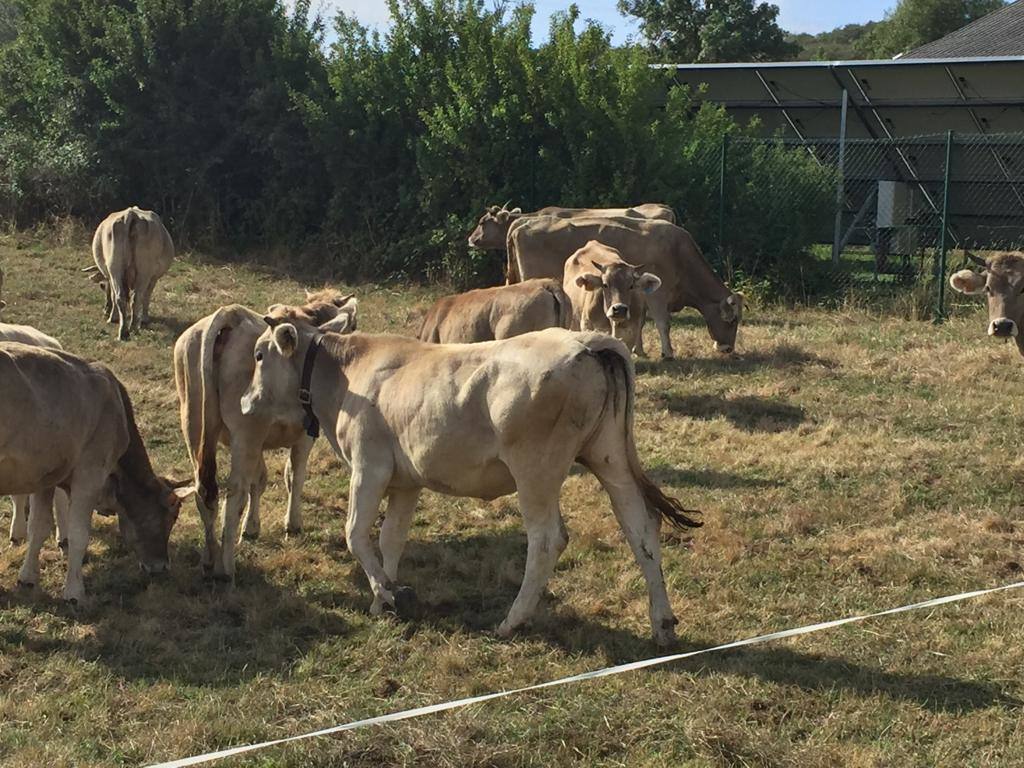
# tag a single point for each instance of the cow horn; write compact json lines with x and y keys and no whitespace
{"x":507,"y":204}
{"x":90,"y":268}
{"x":344,"y":300}
{"x":976,"y":259}
{"x":599,"y":267}
{"x":639,"y":268}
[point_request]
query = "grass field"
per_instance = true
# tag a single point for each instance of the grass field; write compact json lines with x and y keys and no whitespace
{"x":846,"y":463}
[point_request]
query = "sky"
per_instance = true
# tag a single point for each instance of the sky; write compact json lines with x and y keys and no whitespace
{"x":794,"y":15}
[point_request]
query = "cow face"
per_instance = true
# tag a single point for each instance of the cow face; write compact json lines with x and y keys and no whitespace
{"x":273,"y":391}
{"x":328,"y":310}
{"x":147,"y":509}
{"x":492,"y":229}
{"x":617,"y":283}
{"x":723,"y":319}
{"x":1002,"y":280}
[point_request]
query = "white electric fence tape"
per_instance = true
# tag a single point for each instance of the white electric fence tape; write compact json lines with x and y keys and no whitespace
{"x":617,"y":670}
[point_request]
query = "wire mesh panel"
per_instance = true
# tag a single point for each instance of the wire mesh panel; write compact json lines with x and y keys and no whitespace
{"x":823,"y":219}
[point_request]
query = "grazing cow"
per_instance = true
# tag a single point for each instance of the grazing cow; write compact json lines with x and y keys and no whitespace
{"x":1002,"y":278}
{"x":606,"y":293}
{"x":68,"y":423}
{"x":480,"y":420}
{"x":487,"y":314}
{"x":539,"y":247}
{"x":212,"y":367}
{"x":26,"y":334}
{"x":491,"y":233}
{"x":132,"y":250}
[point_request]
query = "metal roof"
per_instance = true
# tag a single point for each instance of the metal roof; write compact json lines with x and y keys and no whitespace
{"x":1000,"y":33}
{"x":887,"y":98}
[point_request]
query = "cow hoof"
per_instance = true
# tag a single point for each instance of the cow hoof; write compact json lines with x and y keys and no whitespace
{"x":26,"y":585}
{"x":405,"y":602}
{"x":223,"y":578}
{"x":251,"y":536}
{"x":15,"y":540}
{"x":667,"y":357}
{"x":505,"y":630}
{"x":297,"y":531}
{"x":123,"y":335}
{"x":63,"y":545}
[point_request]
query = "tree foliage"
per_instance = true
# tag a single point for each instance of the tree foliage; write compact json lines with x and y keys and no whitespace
{"x":912,"y":23}
{"x":683,"y":31}
{"x":374,"y":156}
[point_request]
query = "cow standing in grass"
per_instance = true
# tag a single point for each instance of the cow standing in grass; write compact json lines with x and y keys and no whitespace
{"x":131,"y":250}
{"x":487,"y":314}
{"x":479,"y":420}
{"x":212,"y":367}
{"x":67,"y":423}
{"x":1002,"y":280}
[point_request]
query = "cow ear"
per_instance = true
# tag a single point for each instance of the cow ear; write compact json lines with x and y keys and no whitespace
{"x":516,"y":211}
{"x":345,"y":322}
{"x":272,"y":321}
{"x":968,"y":281}
{"x":286,"y":339}
{"x":648,"y":283}
{"x":589,"y":282}
{"x":177,"y":495}
{"x":343,"y":300}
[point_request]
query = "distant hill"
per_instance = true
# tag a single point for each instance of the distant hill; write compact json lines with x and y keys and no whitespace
{"x":842,"y":43}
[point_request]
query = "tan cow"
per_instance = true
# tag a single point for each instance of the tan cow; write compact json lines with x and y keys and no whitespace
{"x":606,"y":293}
{"x":26,"y":334}
{"x":487,"y":314}
{"x":1002,"y":278}
{"x":539,"y":247}
{"x":132,"y":250}
{"x":83,"y":439}
{"x":213,"y":362}
{"x":480,"y":420}
{"x":492,"y":229}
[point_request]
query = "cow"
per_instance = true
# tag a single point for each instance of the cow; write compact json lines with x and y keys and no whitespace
{"x":131,"y":250}
{"x":606,"y":293}
{"x":491,"y":232}
{"x":26,"y":334}
{"x":539,"y":247}
{"x":1002,"y":279}
{"x":478,"y":420}
{"x":487,"y":314}
{"x":68,"y":423}
{"x":212,"y":367}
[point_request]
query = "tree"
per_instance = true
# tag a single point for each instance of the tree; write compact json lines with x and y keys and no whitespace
{"x":685,"y":31}
{"x":916,"y":22}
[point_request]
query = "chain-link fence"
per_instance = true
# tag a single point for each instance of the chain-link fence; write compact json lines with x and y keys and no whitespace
{"x":888,"y":218}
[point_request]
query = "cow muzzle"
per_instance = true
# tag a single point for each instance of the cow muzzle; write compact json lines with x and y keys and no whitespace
{"x":1003,"y":328}
{"x":618,"y":312}
{"x":725,"y":349}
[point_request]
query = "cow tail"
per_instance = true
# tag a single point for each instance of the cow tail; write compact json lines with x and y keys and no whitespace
{"x":223,"y":320}
{"x":512,"y":267}
{"x":563,"y":307}
{"x":430,"y":330}
{"x":618,"y":370}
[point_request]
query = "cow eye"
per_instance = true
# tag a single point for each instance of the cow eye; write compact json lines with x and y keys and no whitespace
{"x":259,"y":357}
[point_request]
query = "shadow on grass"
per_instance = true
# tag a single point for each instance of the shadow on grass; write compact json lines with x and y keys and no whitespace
{"x":708,"y":478}
{"x":780,"y":358}
{"x":751,"y":414}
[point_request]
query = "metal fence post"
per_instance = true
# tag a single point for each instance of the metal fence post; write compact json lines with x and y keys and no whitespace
{"x":941,"y":261}
{"x":840,"y":184}
{"x":722,"y":166}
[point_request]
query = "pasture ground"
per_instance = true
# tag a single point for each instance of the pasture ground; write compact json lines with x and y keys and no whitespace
{"x":846,"y":462}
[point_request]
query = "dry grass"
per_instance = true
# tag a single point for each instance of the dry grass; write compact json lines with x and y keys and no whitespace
{"x":846,"y":463}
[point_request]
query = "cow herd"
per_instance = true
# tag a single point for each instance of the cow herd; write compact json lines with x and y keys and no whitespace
{"x":505,"y":390}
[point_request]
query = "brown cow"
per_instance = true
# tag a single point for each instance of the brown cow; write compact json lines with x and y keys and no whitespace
{"x":1002,"y":278}
{"x":487,"y":314}
{"x":492,"y":229}
{"x":479,"y":420}
{"x":213,"y":362}
{"x":539,"y":247}
{"x":67,"y":423}
{"x":606,"y":293}
{"x":132,"y":250}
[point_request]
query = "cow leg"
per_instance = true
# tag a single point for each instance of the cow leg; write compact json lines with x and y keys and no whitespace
{"x":394,"y":531}
{"x":62,"y":503}
{"x":150,"y":287}
{"x":211,"y":559}
{"x":660,"y":315}
{"x":245,"y":467}
{"x":546,"y":539}
{"x":83,"y":501}
{"x":294,"y":480}
{"x":40,"y":523}
{"x":108,"y":304}
{"x":19,"y":518}
{"x":639,"y":347}
{"x":641,"y":529}
{"x":364,"y":497}
{"x":121,"y":307}
{"x":251,"y":525}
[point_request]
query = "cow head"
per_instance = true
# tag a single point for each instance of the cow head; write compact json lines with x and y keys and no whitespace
{"x":492,"y":229}
{"x":147,"y":509}
{"x":723,"y":319}
{"x":617,"y":283}
{"x":329,"y":310}
{"x":1002,"y":280}
{"x":274,"y":388}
